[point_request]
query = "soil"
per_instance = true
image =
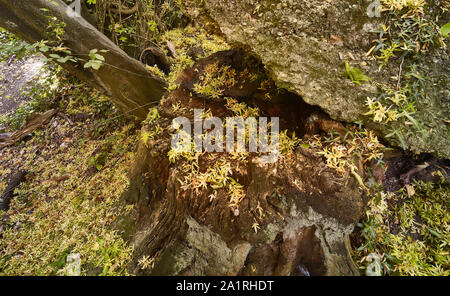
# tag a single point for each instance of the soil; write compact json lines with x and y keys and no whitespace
{"x":15,"y":78}
{"x":403,"y":168}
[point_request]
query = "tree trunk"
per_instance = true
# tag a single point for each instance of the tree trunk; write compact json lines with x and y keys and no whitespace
{"x":131,"y":87}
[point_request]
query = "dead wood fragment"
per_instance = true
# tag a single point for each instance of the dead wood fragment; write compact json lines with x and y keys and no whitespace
{"x":171,"y":48}
{"x":4,"y":136}
{"x":64,"y":116}
{"x":8,"y":194}
{"x":317,"y":122}
{"x":31,"y":123}
{"x":61,"y":178}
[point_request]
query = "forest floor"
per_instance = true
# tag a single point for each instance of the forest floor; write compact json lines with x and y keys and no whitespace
{"x":76,"y":168}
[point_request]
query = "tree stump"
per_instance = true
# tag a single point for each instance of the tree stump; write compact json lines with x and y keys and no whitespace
{"x":295,"y":218}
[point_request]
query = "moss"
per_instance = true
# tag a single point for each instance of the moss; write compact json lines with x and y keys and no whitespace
{"x":65,"y":207}
{"x":215,"y":80}
{"x":185,"y":39}
{"x":409,"y":229}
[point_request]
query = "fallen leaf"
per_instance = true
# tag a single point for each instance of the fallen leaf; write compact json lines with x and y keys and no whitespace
{"x":336,"y":40}
{"x":410,"y":190}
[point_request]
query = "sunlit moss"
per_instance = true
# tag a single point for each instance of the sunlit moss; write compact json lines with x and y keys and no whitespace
{"x":185,"y":39}
{"x":49,"y":218}
{"x":420,"y":245}
{"x":215,"y":80}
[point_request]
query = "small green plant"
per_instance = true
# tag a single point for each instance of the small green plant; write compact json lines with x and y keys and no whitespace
{"x":409,"y":32}
{"x":55,"y":50}
{"x":241,"y":109}
{"x":98,"y":161}
{"x":11,"y":45}
{"x":445,"y":30}
{"x":288,"y":143}
{"x":95,"y":59}
{"x":355,"y":74}
{"x":387,"y":53}
{"x":152,"y":116}
{"x":420,"y":244}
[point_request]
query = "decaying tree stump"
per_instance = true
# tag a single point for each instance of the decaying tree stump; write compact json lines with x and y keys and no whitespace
{"x":296,"y":215}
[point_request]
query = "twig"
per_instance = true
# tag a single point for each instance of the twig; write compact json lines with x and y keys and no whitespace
{"x":400,"y":73}
{"x":64,"y":116}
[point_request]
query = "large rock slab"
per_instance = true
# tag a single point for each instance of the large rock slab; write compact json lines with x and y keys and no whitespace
{"x":304,"y":43}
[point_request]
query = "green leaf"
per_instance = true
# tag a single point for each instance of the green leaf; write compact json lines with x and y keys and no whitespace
{"x":88,"y":65}
{"x":393,"y":259}
{"x":44,"y":48}
{"x":96,"y":65}
{"x":65,"y":59}
{"x":445,"y":30}
{"x":60,"y":260}
{"x":100,"y":57}
{"x":91,"y":161}
{"x":435,"y":233}
{"x":355,"y":74}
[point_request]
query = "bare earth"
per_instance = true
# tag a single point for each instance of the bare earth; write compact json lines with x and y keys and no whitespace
{"x":15,"y":77}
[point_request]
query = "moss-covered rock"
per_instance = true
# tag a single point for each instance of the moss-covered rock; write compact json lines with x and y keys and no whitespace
{"x":305,"y":43}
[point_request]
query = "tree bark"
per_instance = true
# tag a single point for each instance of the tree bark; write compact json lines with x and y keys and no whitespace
{"x":131,"y":87}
